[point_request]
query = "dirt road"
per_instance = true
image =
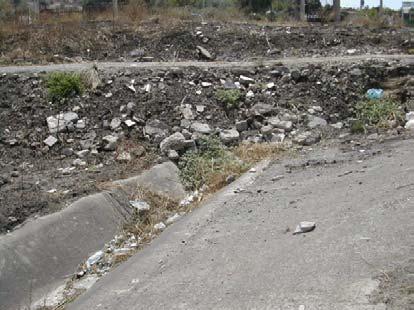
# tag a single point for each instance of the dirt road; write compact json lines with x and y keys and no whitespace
{"x":238,"y":251}
{"x":289,"y":61}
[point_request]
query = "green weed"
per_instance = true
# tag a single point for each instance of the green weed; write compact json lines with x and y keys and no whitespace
{"x":62,"y":85}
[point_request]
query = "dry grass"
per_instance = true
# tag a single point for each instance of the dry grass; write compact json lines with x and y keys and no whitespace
{"x":252,"y":153}
{"x":142,"y":225}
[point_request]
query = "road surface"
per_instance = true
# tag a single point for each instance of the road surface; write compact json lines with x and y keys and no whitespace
{"x":290,"y":61}
{"x":237,"y":251}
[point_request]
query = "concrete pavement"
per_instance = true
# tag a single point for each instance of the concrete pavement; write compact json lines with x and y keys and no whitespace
{"x":237,"y":251}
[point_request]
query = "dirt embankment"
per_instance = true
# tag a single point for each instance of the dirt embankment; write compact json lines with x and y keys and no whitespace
{"x":177,"y":42}
{"x":116,"y":130}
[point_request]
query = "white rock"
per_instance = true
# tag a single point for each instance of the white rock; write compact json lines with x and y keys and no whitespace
{"x":250,"y":94}
{"x":140,"y":205}
{"x":147,"y":88}
{"x":92,"y":260}
{"x":81,"y":124}
{"x":187,"y":112}
{"x":246,"y":80}
{"x":173,"y":219}
{"x":132,"y":88}
{"x":50,"y":141}
{"x":160,"y":226}
{"x":115,"y":123}
{"x":129,"y":123}
{"x":200,"y":108}
{"x":206,"y":84}
{"x":338,"y":125}
{"x":304,"y":227}
{"x":410,"y":125}
{"x":409,"y":116}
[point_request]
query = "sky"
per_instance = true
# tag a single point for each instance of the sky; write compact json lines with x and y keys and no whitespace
{"x":394,"y":4}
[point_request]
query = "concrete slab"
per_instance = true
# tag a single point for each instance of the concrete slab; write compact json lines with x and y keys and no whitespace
{"x":163,"y":179}
{"x":237,"y":250}
{"x":36,"y":259}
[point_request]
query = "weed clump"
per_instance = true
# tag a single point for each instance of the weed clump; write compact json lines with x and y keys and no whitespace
{"x":209,"y":165}
{"x":62,"y":85}
{"x":230,"y":98}
{"x":378,"y":113}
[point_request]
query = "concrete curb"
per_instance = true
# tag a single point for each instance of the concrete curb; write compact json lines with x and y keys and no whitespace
{"x":41,"y":255}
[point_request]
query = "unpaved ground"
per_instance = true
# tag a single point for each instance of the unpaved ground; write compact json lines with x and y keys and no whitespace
{"x":165,"y":41}
{"x":36,"y":179}
{"x":238,"y":252}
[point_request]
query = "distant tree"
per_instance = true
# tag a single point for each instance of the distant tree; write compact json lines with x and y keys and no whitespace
{"x":256,"y":5}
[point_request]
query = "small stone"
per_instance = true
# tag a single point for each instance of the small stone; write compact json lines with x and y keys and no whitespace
{"x":277,"y":123}
{"x":124,"y":156}
{"x":115,"y":123}
{"x":200,"y":108}
{"x":266,"y":130}
{"x":206,"y":84}
{"x":201,"y":128}
{"x":130,"y":123}
{"x":111,"y":142}
{"x":173,"y":219}
{"x":338,"y":125}
{"x":187,"y":112}
{"x":229,"y":136}
{"x":204,"y":53}
{"x":409,"y":125}
{"x":140,"y":205}
{"x":174,"y":142}
{"x":81,"y":124}
{"x":246,"y":81}
{"x":277,"y":178}
{"x":50,"y":141}
{"x":92,"y":260}
{"x":304,"y":227}
{"x":261,"y":109}
{"x":173,"y":155}
{"x":242,"y":126}
{"x":250,"y":94}
{"x":315,"y":121}
{"x":409,"y":116}
{"x":159,"y":226}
